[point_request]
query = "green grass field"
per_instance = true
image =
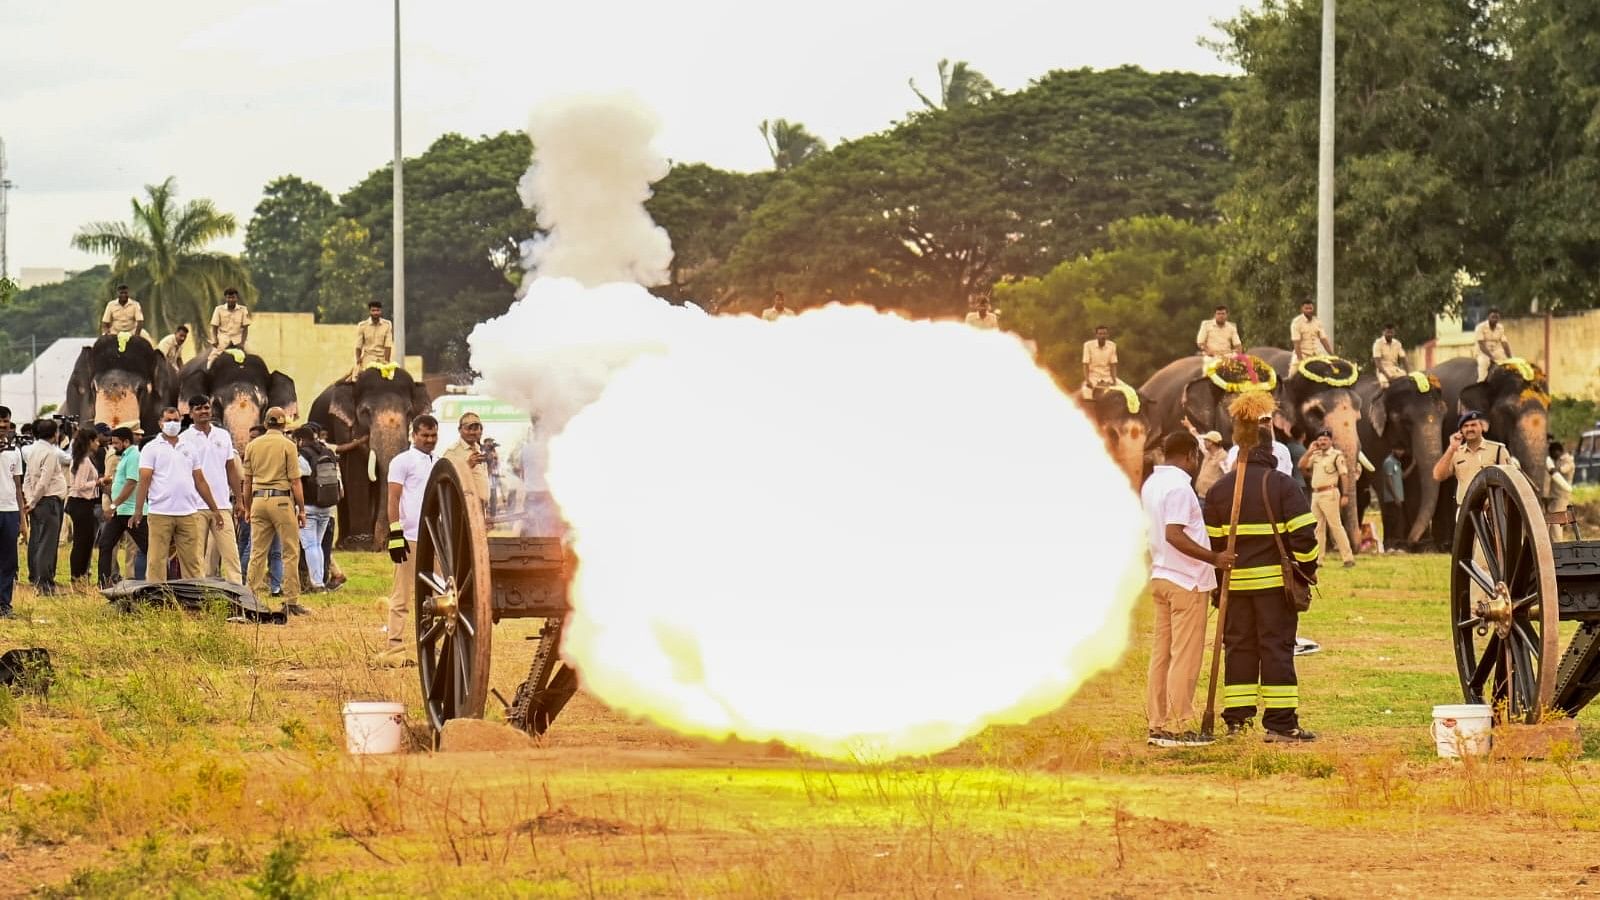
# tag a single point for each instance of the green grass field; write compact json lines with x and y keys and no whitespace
{"x":182,"y":755}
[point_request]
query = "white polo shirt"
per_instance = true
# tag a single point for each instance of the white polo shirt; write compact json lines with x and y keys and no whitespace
{"x":1169,"y":499}
{"x":212,"y":451}
{"x":1279,"y":453}
{"x":10,"y":469}
{"x":172,"y":491}
{"x":410,"y":470}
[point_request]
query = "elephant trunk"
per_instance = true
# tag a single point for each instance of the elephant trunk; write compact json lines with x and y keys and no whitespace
{"x":1343,"y":420}
{"x":239,"y":415}
{"x":387,"y":438}
{"x":117,"y":400}
{"x":1426,"y":441}
{"x":1126,"y":440}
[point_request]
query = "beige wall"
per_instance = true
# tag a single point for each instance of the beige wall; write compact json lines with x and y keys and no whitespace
{"x":1574,"y":364}
{"x":314,"y":355}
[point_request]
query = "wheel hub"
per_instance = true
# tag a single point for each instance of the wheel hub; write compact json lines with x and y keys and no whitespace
{"x":1496,"y":610}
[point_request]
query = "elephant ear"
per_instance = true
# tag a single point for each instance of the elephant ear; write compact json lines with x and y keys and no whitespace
{"x":280,"y":392}
{"x":1475,"y":396}
{"x":335,"y":410}
{"x":80,"y":388}
{"x":420,"y":402}
{"x":1195,"y":409}
{"x":1378,"y":411}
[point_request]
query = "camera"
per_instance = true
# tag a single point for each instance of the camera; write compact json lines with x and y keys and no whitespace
{"x":14,"y":441}
{"x":69,"y":421}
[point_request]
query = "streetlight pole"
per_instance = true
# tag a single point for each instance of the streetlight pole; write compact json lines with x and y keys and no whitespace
{"x":1325,"y":179}
{"x":399,"y":210}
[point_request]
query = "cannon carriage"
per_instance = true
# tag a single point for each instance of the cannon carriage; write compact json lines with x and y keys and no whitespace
{"x":468,"y":579}
{"x":1511,"y":587}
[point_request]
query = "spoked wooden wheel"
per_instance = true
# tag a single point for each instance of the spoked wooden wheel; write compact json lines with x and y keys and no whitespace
{"x":454,"y":617}
{"x":1503,"y":606}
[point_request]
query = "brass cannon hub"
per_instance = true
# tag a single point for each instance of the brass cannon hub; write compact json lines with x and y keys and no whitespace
{"x":1496,"y":610}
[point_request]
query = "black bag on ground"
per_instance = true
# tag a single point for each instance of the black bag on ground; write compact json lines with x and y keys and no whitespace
{"x":27,"y":669}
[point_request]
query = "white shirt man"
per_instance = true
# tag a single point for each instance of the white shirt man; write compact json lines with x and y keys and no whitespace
{"x":1493,"y":347}
{"x":408,"y":475}
{"x":213,"y":449}
{"x":1181,"y":580}
{"x":1388,"y":358}
{"x":10,"y":481}
{"x":1279,"y":453}
{"x":10,"y":523}
{"x":171,"y":486}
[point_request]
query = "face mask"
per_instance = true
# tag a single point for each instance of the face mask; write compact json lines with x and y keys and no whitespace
{"x":171,"y":429}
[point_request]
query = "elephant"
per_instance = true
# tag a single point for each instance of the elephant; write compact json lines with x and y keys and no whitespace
{"x":1180,"y":390}
{"x":379,"y":407}
{"x":120,"y":384}
{"x":1410,"y":413}
{"x":1315,"y":399}
{"x":241,"y":390}
{"x":1516,"y":400}
{"x":1123,"y":417}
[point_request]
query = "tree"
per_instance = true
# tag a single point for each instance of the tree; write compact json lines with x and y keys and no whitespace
{"x":1415,"y":95}
{"x":465,"y":229}
{"x":959,"y":85}
{"x":283,"y":242}
{"x":38,"y":316}
{"x":789,"y":143}
{"x":705,"y":210}
{"x":160,"y":255}
{"x":1154,"y":283}
{"x":345,"y":269}
{"x":955,"y":200}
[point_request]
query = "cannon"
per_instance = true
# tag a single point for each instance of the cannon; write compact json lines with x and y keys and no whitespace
{"x":468,"y":579}
{"x":1511,"y":587}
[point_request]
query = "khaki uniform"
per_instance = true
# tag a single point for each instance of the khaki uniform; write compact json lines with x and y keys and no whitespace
{"x":273,"y":463}
{"x":1388,"y":360}
{"x":230,"y":325}
{"x":773,"y":314}
{"x":1099,"y":360}
{"x":1305,"y":338}
{"x":478,"y":483}
{"x":1467,"y":463}
{"x":123,"y":317}
{"x":172,"y":350}
{"x":990,"y":322}
{"x":1496,"y":339}
{"x":1560,"y":493}
{"x":1216,"y":341}
{"x":1328,"y":468}
{"x":375,"y":343}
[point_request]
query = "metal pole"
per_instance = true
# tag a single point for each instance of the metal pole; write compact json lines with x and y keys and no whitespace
{"x":399,"y":210}
{"x":1325,"y":180}
{"x":33,"y":348}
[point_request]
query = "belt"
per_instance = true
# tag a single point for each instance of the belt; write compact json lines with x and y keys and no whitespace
{"x":1331,"y":487}
{"x":271,"y":493}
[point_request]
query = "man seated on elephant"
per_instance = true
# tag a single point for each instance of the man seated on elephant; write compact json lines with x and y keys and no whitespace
{"x":981,"y":315}
{"x":374,"y":339}
{"x":1307,"y":337}
{"x":123,"y":315}
{"x":1388,"y":357}
{"x":1218,"y":337}
{"x":1099,"y":362}
{"x":230,"y":322}
{"x":1492,"y":344}
{"x":171,"y":346}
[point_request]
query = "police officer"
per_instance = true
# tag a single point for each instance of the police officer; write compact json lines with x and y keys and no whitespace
{"x":1259,"y":633}
{"x":1469,"y":452}
{"x":374,"y":340}
{"x":277,"y":505}
{"x":1218,"y":337}
{"x":1388,"y":357}
{"x":1099,"y":362}
{"x":1326,"y":469}
{"x":1307,"y":337}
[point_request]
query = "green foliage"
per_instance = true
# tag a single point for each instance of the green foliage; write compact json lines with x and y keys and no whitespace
{"x":1152,"y":286}
{"x":160,"y":255}
{"x":8,"y":289}
{"x":45,"y":313}
{"x":283,"y":243}
{"x":344,"y":273}
{"x":1412,"y":94}
{"x":464,"y":228}
{"x":959,"y":85}
{"x":281,"y":878}
{"x":705,"y":210}
{"x":789,"y":143}
{"x":1570,"y":417}
{"x":954,"y":200}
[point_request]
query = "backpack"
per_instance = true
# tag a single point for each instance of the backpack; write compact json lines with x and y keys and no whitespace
{"x":322,"y":486}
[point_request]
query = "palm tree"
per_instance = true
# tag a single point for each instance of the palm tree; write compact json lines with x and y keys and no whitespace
{"x":160,"y":257}
{"x":959,"y":85}
{"x":790,"y":143}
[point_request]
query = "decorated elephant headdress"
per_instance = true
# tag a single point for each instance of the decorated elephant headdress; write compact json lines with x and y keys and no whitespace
{"x":1242,"y":374}
{"x":1331,"y":371}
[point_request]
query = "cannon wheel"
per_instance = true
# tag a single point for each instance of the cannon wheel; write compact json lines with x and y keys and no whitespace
{"x":1503,"y":606}
{"x":455,"y":620}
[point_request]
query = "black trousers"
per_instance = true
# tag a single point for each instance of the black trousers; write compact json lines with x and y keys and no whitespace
{"x":44,"y":537}
{"x":110,"y":535}
{"x":81,"y":511}
{"x":1394,"y":525}
{"x":1258,"y":640}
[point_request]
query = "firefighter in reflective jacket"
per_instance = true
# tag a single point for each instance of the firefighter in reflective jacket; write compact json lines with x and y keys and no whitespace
{"x":1259,"y":632}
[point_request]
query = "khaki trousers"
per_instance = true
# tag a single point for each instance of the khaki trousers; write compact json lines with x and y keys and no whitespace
{"x":222,"y":548}
{"x":1180,"y":642}
{"x":274,"y":516}
{"x":182,"y":535}
{"x":405,"y":577}
{"x":1325,"y":505}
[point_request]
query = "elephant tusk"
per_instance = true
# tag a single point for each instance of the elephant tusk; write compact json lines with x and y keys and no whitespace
{"x":372,"y":465}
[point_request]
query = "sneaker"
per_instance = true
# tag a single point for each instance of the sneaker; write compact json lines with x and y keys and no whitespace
{"x":1159,"y":738}
{"x":1304,"y":647}
{"x":1194,"y":739}
{"x":1292,"y":736}
{"x":393,"y":658}
{"x":336,"y":582}
{"x":1235,"y":729}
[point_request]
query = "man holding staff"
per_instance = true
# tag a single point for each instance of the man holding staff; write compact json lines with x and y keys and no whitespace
{"x":1256,"y":620}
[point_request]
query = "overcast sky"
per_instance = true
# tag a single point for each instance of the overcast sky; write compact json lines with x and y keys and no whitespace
{"x":98,"y":99}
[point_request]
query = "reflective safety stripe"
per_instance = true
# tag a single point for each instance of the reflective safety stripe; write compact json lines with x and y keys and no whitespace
{"x":1301,"y":521}
{"x":1308,"y":556}
{"x":1254,"y":529}
{"x":1280,"y":696}
{"x":1239,"y":695}
{"x":1255,"y":578}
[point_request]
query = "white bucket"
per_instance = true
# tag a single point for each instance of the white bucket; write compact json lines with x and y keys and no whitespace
{"x":1462,"y":729}
{"x":373,"y":726}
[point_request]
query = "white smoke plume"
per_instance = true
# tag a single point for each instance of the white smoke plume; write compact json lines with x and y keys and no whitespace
{"x":854,"y":533}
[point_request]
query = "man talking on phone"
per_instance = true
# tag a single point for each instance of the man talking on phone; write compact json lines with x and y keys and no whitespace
{"x":1469,"y":452}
